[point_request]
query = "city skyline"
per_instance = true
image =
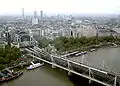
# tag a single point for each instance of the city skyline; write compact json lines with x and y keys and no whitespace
{"x":60,"y":6}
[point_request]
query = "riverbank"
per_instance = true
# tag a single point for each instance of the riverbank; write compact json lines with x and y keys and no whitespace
{"x":93,"y":47}
{"x":65,"y":44}
{"x":21,"y":65}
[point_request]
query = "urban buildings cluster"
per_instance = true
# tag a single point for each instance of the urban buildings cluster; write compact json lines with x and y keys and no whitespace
{"x":50,"y":27}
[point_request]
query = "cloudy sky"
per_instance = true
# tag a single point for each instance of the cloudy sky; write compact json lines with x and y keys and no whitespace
{"x":60,"y":6}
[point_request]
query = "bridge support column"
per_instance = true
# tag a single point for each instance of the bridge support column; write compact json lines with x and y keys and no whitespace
{"x":115,"y":81}
{"x":69,"y":73}
{"x":90,"y":76}
{"x":33,"y":55}
{"x":53,"y":66}
{"x":17,"y":39}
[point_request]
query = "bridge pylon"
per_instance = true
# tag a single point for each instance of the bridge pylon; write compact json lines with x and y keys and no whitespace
{"x":90,"y":76}
{"x":115,"y":80}
{"x":53,"y":66}
{"x":69,"y":67}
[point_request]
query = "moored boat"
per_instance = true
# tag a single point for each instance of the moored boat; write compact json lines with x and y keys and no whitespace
{"x":14,"y":76}
{"x":93,"y":49}
{"x":33,"y":66}
{"x":8,"y":75}
{"x":81,"y":53}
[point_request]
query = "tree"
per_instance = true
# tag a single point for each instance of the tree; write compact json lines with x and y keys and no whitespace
{"x":43,"y":43}
{"x":6,"y":60}
{"x":59,"y":44}
{"x":1,"y":60}
{"x":2,"y":52}
{"x":1,"y":66}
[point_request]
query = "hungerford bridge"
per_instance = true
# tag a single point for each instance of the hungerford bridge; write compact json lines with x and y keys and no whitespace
{"x":93,"y":75}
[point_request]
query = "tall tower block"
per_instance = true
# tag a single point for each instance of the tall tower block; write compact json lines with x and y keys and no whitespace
{"x":41,"y":14}
{"x":35,"y":14}
{"x":23,"y":12}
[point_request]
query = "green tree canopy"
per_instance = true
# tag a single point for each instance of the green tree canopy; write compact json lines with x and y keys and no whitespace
{"x":8,"y":55}
{"x":65,"y":44}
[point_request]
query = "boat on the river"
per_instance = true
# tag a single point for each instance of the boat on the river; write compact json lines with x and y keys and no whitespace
{"x":93,"y":49}
{"x":114,"y":45}
{"x":81,"y":53}
{"x":8,"y":75}
{"x":33,"y":66}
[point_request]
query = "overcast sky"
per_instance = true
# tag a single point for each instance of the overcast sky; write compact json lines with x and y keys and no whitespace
{"x":61,"y":6}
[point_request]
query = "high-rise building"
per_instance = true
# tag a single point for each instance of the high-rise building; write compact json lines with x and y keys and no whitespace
{"x":35,"y":19}
{"x":35,"y":14}
{"x":23,"y":12}
{"x":41,"y":14}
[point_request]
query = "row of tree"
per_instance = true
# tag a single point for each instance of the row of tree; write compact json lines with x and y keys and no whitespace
{"x":8,"y":55}
{"x":66,"y":44}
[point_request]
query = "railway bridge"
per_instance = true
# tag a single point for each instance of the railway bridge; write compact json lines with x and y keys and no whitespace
{"x":92,"y":75}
